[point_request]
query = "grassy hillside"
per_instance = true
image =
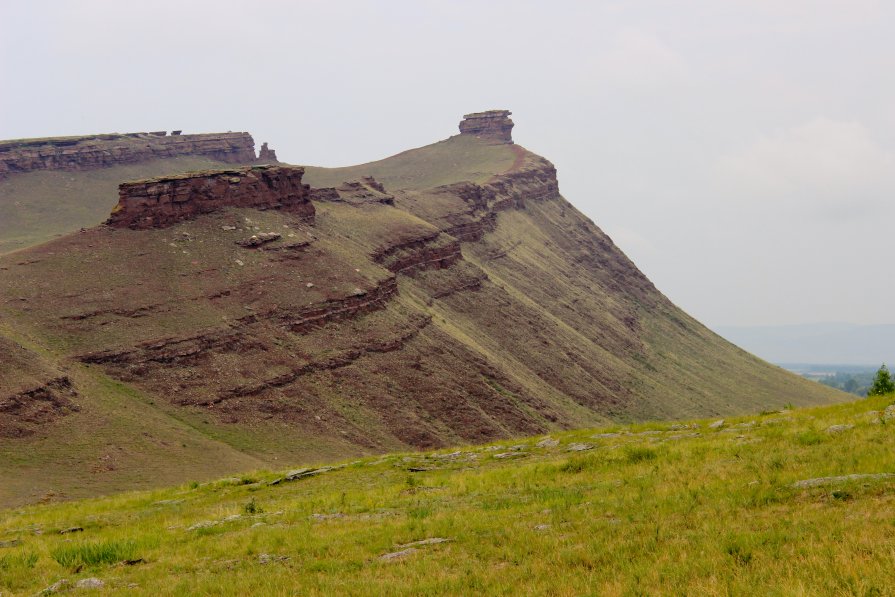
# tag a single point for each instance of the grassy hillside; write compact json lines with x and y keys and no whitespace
{"x":38,"y":206}
{"x":453,"y":315}
{"x":452,"y":160}
{"x":797,"y":502}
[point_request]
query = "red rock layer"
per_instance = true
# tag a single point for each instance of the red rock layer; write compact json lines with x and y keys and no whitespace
{"x":21,"y":414}
{"x":161,"y":202}
{"x":493,"y":124}
{"x":432,"y":251}
{"x":184,"y":349}
{"x":266,"y":155}
{"x":534,"y":180}
{"x":100,"y":151}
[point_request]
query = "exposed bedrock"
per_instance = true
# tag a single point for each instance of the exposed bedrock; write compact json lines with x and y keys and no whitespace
{"x":180,"y":349}
{"x":100,"y":151}
{"x":493,"y":124}
{"x":22,"y":413}
{"x":433,"y":251}
{"x":534,"y":180}
{"x":266,"y":155}
{"x":355,"y":192}
{"x":161,"y":202}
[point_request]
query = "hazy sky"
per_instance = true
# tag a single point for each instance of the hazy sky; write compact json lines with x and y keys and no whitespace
{"x":742,"y":153}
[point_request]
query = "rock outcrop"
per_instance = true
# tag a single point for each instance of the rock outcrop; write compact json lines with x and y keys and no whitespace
{"x":22,"y":413}
{"x":432,"y":251}
{"x":493,"y":124}
{"x":100,"y":151}
{"x":161,"y":202}
{"x":533,"y":180}
{"x":355,"y":192}
{"x":266,"y":155}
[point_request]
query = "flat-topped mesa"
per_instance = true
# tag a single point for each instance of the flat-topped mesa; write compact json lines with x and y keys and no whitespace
{"x":100,"y":151}
{"x":164,"y":201}
{"x":493,"y":124}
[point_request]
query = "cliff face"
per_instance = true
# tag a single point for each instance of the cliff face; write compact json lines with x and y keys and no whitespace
{"x":100,"y":151}
{"x":161,"y":202}
{"x":493,"y":124}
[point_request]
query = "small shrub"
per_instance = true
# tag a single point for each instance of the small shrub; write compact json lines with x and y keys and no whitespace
{"x":740,"y":553}
{"x":419,"y":512}
{"x":762,"y":497}
{"x":83,"y":555}
{"x":810,"y":438}
{"x":251,"y":507}
{"x":841,"y":495}
{"x":635,"y":454}
{"x":579,"y":464}
{"x":246,"y":480}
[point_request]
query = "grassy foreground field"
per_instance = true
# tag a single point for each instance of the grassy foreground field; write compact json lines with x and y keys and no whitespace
{"x":689,"y":508}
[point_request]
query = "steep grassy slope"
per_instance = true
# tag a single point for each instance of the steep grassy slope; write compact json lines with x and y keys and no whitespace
{"x":467,"y":302}
{"x":38,"y":206}
{"x":795,"y":502}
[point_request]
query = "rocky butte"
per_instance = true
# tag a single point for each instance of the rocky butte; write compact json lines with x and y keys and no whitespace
{"x":160,"y":202}
{"x":493,"y":124}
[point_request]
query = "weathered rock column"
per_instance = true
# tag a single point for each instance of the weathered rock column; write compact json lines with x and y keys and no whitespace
{"x":493,"y":124}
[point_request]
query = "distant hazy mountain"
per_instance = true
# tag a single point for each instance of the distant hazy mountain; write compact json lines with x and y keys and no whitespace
{"x":818,"y":343}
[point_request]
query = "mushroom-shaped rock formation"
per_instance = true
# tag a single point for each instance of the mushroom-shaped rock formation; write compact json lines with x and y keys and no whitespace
{"x":493,"y":124}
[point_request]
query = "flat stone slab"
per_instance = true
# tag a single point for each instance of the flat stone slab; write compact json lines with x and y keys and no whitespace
{"x":833,"y":429}
{"x":510,"y":455}
{"x":396,"y":555}
{"x":11,"y":543}
{"x":429,"y":541}
{"x":579,"y":447}
{"x":821,"y":481}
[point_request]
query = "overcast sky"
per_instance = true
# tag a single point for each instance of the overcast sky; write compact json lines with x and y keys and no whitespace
{"x":742,"y":153}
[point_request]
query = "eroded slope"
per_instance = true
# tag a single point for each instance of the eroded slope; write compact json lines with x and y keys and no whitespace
{"x":455,"y":297}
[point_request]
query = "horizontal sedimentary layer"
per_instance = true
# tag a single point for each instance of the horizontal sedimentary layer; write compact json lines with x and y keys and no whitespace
{"x":160,"y":202}
{"x":178,"y":349}
{"x":355,"y":192}
{"x":343,"y":359}
{"x":534,"y":180}
{"x":493,"y":124}
{"x":21,"y":413}
{"x":100,"y":151}
{"x":432,"y":251}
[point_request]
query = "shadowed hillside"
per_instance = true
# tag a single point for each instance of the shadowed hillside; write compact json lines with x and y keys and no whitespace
{"x":446,"y":295}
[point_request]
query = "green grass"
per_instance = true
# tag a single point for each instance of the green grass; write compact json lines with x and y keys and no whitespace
{"x":652,"y":510}
{"x":22,"y":559}
{"x":453,"y":160}
{"x":36,"y":207}
{"x":82,"y":555}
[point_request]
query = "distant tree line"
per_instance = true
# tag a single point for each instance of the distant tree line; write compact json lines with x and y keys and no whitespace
{"x":862,"y":383}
